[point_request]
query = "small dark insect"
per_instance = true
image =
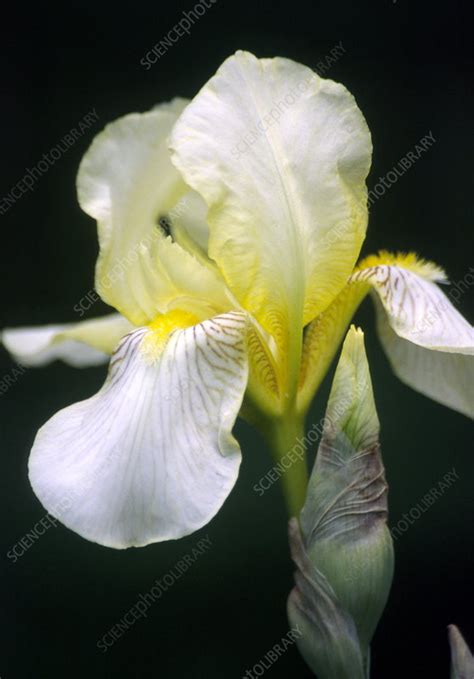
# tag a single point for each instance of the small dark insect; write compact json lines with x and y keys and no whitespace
{"x":165,"y":223}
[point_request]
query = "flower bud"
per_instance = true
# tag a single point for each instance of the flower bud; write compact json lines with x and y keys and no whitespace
{"x":462,"y":661}
{"x":329,"y":641}
{"x":345,"y":559}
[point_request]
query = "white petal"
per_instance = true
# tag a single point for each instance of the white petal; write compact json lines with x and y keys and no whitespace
{"x":447,"y":378}
{"x":151,"y":457}
{"x":78,"y":344}
{"x":418,"y":310}
{"x":280,"y":155}
{"x":127,"y":182}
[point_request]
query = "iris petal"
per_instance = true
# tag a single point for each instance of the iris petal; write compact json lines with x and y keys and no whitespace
{"x":280,"y":155}
{"x":151,"y":456}
{"x":78,"y":344}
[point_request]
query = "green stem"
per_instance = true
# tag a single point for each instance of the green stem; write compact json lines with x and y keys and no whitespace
{"x":286,"y":439}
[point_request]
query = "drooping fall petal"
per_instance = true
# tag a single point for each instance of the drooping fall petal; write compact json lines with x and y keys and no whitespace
{"x":428,"y":342}
{"x":80,"y":344}
{"x":151,"y":456}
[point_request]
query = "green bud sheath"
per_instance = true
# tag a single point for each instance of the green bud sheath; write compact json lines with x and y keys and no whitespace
{"x":345,"y":538}
{"x":462,"y":661}
{"x":329,"y":641}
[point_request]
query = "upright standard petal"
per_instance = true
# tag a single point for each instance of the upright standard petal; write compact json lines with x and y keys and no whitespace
{"x":127,"y":183}
{"x":280,"y":156}
{"x":151,"y":457}
{"x":429,"y":344}
{"x":78,"y":344}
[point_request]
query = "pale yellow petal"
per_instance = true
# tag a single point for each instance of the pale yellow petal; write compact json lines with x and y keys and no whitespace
{"x":322,"y":339}
{"x":128,"y":184}
{"x":280,"y":156}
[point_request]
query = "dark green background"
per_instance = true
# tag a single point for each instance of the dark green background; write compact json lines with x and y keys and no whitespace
{"x":410,"y":67}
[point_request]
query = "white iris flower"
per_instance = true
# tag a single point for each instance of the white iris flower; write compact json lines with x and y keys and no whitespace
{"x":233,"y":274}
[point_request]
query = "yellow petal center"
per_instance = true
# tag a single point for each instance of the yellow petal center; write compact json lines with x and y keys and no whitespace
{"x":162,"y":326}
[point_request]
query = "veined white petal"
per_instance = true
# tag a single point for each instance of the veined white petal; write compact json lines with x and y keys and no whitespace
{"x":418,"y":310}
{"x":80,"y":344}
{"x":280,"y":155}
{"x":447,"y":378}
{"x":150,"y":457}
{"x":429,"y":344}
{"x":127,"y":182}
